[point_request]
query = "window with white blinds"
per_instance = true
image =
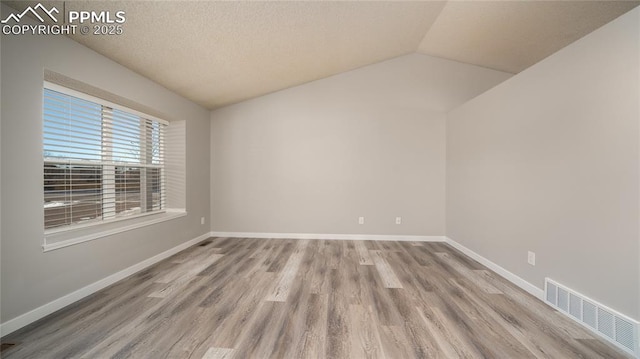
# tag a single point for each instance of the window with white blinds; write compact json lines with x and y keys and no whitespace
{"x":102,"y":162}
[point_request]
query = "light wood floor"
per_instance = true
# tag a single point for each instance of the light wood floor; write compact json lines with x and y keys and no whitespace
{"x":257,"y":298}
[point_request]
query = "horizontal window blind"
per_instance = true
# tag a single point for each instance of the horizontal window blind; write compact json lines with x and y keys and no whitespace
{"x":101,"y":161}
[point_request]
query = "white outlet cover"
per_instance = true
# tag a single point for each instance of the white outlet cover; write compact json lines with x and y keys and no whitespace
{"x":360,"y":220}
{"x":531,"y":258}
{"x":398,"y":220}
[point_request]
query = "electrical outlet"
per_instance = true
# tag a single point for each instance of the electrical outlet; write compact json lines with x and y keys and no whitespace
{"x":201,"y":220}
{"x":360,"y":220}
{"x":531,"y":258}
{"x":398,"y":220}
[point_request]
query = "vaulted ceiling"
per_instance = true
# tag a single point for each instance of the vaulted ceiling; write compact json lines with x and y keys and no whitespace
{"x":219,"y":53}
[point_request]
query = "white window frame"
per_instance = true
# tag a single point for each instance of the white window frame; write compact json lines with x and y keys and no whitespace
{"x":59,"y":237}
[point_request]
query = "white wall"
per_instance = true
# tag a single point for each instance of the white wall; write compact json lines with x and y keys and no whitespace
{"x":31,"y":278}
{"x":548,"y":161}
{"x":369,"y":142}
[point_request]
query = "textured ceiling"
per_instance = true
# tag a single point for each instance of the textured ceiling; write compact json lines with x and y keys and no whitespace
{"x":513,"y":35}
{"x":218,"y":53}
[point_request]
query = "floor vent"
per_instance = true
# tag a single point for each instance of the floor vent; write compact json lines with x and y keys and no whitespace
{"x":611,"y":325}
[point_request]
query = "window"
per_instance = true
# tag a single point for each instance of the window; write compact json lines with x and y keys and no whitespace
{"x":102,"y":162}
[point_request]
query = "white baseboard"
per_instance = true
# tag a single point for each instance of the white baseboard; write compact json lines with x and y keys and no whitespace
{"x":532,"y":289}
{"x":355,"y":237}
{"x":57,"y":304}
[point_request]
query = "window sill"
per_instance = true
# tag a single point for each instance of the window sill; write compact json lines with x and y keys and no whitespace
{"x":71,"y":237}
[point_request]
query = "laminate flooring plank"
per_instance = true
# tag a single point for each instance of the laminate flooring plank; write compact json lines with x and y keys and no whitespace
{"x":337,"y":319}
{"x":370,"y":245}
{"x":234,"y":245}
{"x":599,"y":349}
{"x":257,"y":340}
{"x":224,"y":242}
{"x":480,"y":337}
{"x":185,"y":267}
{"x":354,"y":285}
{"x":61,"y":323}
{"x":415,"y":328}
{"x":335,"y":253}
{"x":365,"y":339}
{"x":382,"y":305}
{"x":464,"y":314}
{"x":93,"y":334}
{"x":415,"y":275}
{"x":389,"y":278}
{"x":187,"y":274}
{"x":437,"y":247}
{"x":390,"y":246}
{"x":259,"y":257}
{"x":513,"y":323}
{"x":211,"y":313}
{"x":225,"y":277}
{"x":314,"y":334}
{"x":234,"y":264}
{"x":363,"y":254}
{"x":188,"y":253}
{"x":282,"y":257}
{"x":470,"y":274}
{"x":303,"y":332}
{"x":413,"y":251}
{"x":439,"y":274}
{"x":194,"y":333}
{"x":547,"y":341}
{"x":224,"y":315}
{"x":405,"y":272}
{"x":219,"y":353}
{"x":447,"y":337}
{"x":394,"y":342}
{"x":558,"y":323}
{"x":319,"y":281}
{"x":230,"y":265}
{"x":156,"y":338}
{"x":461,"y":257}
{"x":385,"y":246}
{"x":122,"y":340}
{"x":75,"y":339}
{"x":290,"y":333}
{"x":277,"y":247}
{"x":465,"y":331}
{"x":87,"y":318}
{"x":524,"y":325}
{"x":263,"y":246}
{"x":239,"y":313}
{"x":502,"y":340}
{"x":281,"y":290}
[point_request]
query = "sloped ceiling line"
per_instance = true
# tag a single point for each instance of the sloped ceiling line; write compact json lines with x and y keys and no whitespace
{"x":217,"y":53}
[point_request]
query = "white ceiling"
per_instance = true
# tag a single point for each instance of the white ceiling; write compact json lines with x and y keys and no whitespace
{"x":219,"y":53}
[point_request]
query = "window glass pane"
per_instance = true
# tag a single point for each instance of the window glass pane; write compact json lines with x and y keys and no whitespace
{"x":72,"y":194}
{"x":126,"y":137}
{"x":127,"y":191}
{"x":72,"y":128}
{"x":154,"y":192}
{"x":157,"y":144}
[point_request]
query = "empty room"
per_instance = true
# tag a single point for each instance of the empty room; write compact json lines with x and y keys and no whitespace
{"x":320,"y":179}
